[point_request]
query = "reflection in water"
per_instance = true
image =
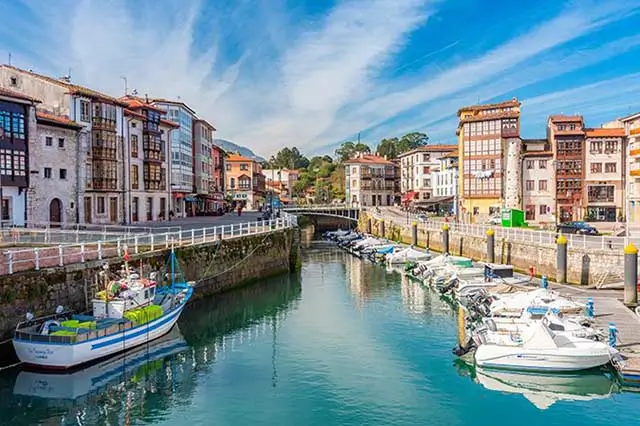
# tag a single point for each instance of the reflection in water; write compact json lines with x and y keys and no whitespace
{"x":543,"y":390}
{"x":146,"y":383}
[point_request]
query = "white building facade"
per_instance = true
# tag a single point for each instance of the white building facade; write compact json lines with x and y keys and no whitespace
{"x":418,"y":168}
{"x":538,"y":182}
{"x":370,"y":180}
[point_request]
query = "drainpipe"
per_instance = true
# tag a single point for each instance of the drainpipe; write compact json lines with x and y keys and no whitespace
{"x":168,"y":153}
{"x":124,"y":165}
{"x":128,"y":168}
{"x":78,"y":163}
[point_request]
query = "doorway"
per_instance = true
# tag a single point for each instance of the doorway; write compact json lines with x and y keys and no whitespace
{"x":87,"y":209}
{"x":55,"y":212}
{"x":113,"y":210}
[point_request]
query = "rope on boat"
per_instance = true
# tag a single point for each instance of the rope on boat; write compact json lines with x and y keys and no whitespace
{"x":6,"y":367}
{"x":5,"y":341}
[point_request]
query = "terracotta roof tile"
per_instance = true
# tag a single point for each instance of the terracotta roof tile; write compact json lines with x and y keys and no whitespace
{"x":17,"y":95}
{"x":480,"y":107}
{"x":369,"y":159}
{"x":239,"y":158}
{"x":135,"y":102}
{"x":605,"y":133}
{"x":452,"y":154}
{"x":73,"y":89}
{"x":559,"y":118}
{"x":134,"y":114}
{"x":47,"y":118}
{"x":169,"y":123}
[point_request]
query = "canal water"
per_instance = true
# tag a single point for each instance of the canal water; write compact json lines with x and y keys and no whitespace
{"x":343,"y":342}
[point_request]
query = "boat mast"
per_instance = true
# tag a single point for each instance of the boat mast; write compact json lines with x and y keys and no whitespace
{"x":173,"y":261}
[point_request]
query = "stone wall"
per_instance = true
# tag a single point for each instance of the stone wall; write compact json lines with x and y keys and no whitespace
{"x":585,"y":267}
{"x":215,"y":267}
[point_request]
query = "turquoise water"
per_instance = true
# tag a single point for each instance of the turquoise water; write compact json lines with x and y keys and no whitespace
{"x":342,"y":343}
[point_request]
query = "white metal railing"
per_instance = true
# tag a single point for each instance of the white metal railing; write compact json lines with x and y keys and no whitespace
{"x":533,"y":236}
{"x":16,"y":260}
{"x":93,"y":227}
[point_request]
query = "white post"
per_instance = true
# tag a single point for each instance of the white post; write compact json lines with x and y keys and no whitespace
{"x":99,"y":250}
{"x":135,"y":244}
{"x":119,"y":247}
{"x":166,"y":240}
{"x":151,"y":241}
{"x":193,"y":237}
{"x":10,"y":256}
{"x":60,"y":256}
{"x":82,"y":252}
{"x":204,"y":235}
{"x":36,"y":252}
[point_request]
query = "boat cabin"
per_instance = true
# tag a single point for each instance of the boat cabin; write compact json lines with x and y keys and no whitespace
{"x":123,"y":295}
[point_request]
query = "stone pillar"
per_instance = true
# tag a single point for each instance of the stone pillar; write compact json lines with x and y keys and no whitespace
{"x":561,"y":260}
{"x":414,"y":234}
{"x":512,"y":181}
{"x":382,"y":229}
{"x":368,"y":226}
{"x":445,"y":238}
{"x":630,"y":275}
{"x":491,"y":246}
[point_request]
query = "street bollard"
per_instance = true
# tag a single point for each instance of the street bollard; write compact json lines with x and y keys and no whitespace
{"x":445,"y":238}
{"x":561,"y":260}
{"x":368,"y":227}
{"x":589,"y":308}
{"x":414,"y":234}
{"x":382,"y":228}
{"x":613,"y":335}
{"x":544,"y":282}
{"x":491,"y":246}
{"x":630,"y":275}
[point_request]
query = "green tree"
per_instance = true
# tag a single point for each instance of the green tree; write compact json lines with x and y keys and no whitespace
{"x":388,"y":147}
{"x":349,"y":149}
{"x":411,"y":141}
{"x":288,"y":158}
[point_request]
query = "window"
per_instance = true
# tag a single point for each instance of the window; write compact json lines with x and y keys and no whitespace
{"x":530,"y":164}
{"x":596,"y":167}
{"x":232,"y":182}
{"x":13,"y":81}
{"x":610,"y":167}
{"x":610,"y":147}
{"x":227,"y":167}
{"x":48,"y":141}
{"x":426,"y":157}
{"x":543,"y":209}
{"x":244,"y":167}
{"x":85,"y":113}
{"x":47,"y":172}
{"x":542,"y":185}
{"x":6,"y":209}
{"x":63,"y":174}
{"x":60,"y":142}
{"x":601,"y":193}
{"x":596,"y":147}
{"x":426,"y":170}
{"x":542,"y":164}
{"x":134,"y":146}
{"x":530,"y":185}
{"x":135,"y":180}
{"x":101,"y":206}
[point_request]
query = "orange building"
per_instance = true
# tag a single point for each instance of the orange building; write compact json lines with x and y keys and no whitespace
{"x":244,"y":181}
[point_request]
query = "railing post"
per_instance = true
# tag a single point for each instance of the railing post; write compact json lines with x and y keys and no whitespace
{"x":166,"y":240}
{"x":119,"y":246}
{"x":99,"y":250}
{"x":60,"y":256}
{"x":204,"y":235}
{"x":151,"y":241}
{"x":193,"y":237}
{"x":135,"y":244}
{"x":10,"y":260}
{"x":36,"y":252}
{"x":82,"y":252}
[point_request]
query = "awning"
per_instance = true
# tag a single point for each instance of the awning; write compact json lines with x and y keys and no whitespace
{"x":411,"y":195}
{"x":434,"y":200}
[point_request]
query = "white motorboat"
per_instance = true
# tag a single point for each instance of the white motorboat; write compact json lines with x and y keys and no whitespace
{"x":543,"y":390}
{"x":408,"y":254}
{"x":540,"y":300}
{"x":541,"y":349}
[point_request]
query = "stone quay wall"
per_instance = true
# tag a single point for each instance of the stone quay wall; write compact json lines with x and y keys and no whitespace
{"x":584,"y":266}
{"x":214,"y":266}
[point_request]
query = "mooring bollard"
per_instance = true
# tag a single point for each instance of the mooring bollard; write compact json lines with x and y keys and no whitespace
{"x":630,"y":275}
{"x":544,"y":282}
{"x":445,"y":238}
{"x":589,"y":308}
{"x":613,"y":335}
{"x":368,"y":227}
{"x":491,"y":246}
{"x":414,"y":234}
{"x":382,"y":228}
{"x":561,"y":260}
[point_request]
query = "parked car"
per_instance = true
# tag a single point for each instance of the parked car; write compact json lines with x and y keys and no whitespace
{"x":423,"y":217}
{"x":582,"y":228}
{"x":495,"y":220}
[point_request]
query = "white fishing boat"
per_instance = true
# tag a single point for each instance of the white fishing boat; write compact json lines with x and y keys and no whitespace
{"x":540,"y":300}
{"x":129,"y":312}
{"x":541,"y":349}
{"x":408,"y":254}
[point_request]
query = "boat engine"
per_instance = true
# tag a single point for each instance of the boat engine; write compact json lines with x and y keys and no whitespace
{"x":461,"y":350}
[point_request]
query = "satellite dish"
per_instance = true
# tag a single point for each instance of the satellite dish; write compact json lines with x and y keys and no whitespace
{"x":29,"y":316}
{"x":59,"y":309}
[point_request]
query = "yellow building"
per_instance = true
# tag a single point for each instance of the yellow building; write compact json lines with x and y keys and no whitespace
{"x":489,"y":148}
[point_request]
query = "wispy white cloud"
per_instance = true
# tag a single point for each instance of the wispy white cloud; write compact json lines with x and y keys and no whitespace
{"x":268,"y":76}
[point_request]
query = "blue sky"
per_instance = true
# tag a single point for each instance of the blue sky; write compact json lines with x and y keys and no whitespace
{"x":271,"y":73}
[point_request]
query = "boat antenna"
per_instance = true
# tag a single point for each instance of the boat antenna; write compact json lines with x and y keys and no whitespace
{"x":173,"y":269}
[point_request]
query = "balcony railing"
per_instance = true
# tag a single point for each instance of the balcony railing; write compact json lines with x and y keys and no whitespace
{"x":104,"y":184}
{"x":154,"y":156}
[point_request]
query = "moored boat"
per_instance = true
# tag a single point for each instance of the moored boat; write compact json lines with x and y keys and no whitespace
{"x":129,"y":312}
